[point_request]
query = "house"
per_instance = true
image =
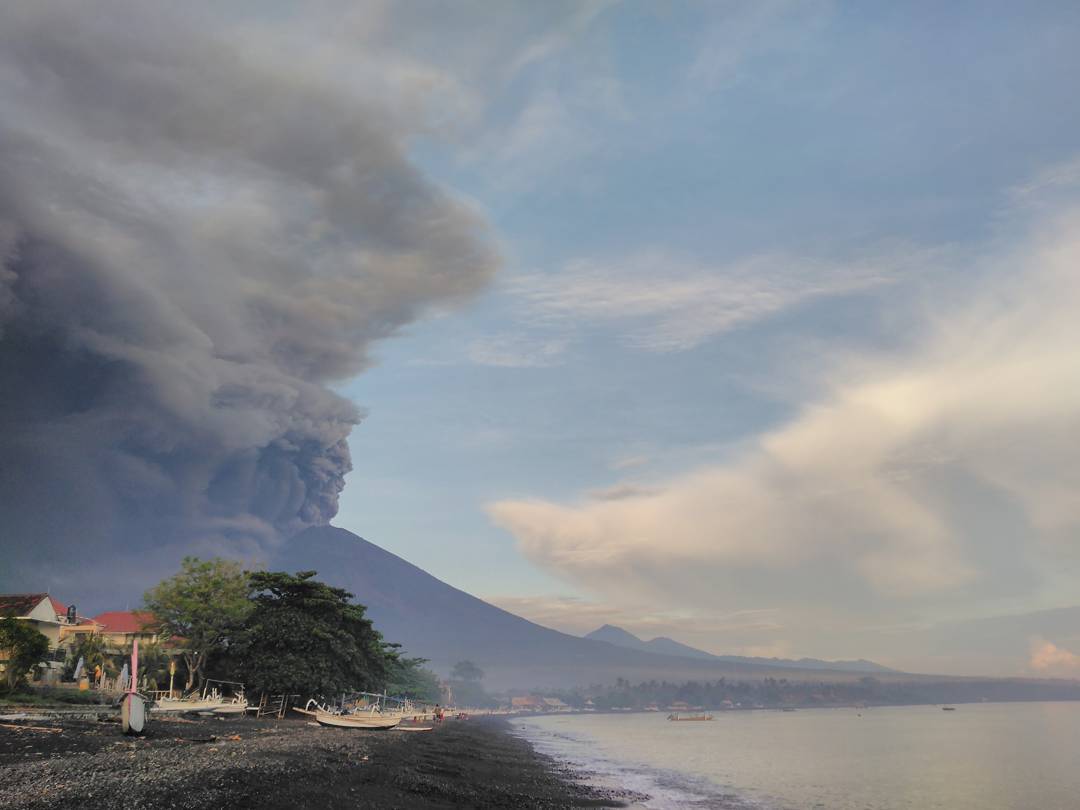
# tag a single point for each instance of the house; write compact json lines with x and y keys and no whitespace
{"x":554,"y":705}
{"x":120,"y":627}
{"x":526,"y":703}
{"x":44,"y":614}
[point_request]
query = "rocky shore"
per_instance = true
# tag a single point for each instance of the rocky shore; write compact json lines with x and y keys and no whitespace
{"x":249,"y":763}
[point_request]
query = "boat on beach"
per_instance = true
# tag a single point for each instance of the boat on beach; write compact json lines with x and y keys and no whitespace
{"x":216,"y":697}
{"x":363,"y":710}
{"x":368,"y":720}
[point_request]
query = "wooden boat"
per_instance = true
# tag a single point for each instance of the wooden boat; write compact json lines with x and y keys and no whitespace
{"x":211,"y":700}
{"x":185,"y":705}
{"x":236,"y":706}
{"x":351,"y":714}
{"x":368,"y":720}
{"x":689,"y":717}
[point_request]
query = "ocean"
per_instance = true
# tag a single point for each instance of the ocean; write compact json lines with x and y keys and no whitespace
{"x":989,"y":756}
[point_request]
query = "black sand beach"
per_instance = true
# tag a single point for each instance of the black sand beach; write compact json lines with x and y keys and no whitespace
{"x":248,"y":763}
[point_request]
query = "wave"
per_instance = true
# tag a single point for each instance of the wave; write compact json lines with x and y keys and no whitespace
{"x":662,"y":789}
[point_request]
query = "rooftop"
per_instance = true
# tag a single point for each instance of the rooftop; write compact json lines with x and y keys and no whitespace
{"x":20,"y":604}
{"x":126,"y":621}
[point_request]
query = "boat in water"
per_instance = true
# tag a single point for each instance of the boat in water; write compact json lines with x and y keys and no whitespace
{"x":684,"y":717}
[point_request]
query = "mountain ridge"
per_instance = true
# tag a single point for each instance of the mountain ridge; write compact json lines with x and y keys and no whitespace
{"x":667,"y":646}
{"x":434,"y":620}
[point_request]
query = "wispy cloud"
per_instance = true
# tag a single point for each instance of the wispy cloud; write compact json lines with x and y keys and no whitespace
{"x":558,"y":38}
{"x":517,"y":351}
{"x":660,"y":302}
{"x":621,"y":492}
{"x":741,"y":30}
{"x":1063,"y":175}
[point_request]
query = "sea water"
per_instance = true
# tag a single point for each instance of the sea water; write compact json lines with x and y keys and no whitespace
{"x":989,"y":756}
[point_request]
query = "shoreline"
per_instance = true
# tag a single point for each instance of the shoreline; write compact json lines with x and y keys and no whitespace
{"x":290,"y":763}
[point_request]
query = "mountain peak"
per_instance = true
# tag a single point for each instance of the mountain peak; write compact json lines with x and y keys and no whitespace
{"x":615,"y":635}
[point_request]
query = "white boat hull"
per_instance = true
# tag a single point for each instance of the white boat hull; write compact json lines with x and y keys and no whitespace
{"x":184,"y":706}
{"x":368,"y":721}
{"x":231,"y":708}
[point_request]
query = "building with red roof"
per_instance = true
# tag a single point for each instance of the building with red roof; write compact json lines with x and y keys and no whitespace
{"x":44,"y":614}
{"x":120,"y":627}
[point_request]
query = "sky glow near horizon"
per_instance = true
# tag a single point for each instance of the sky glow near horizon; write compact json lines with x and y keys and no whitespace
{"x":752,"y":324}
{"x":781,"y":359}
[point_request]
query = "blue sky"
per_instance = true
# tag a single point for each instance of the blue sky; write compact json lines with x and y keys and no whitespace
{"x":721,"y":223}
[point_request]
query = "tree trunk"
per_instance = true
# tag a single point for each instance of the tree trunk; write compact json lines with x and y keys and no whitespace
{"x":193,"y":664}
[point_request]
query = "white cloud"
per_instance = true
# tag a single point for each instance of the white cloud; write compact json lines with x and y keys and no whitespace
{"x":881,"y":487}
{"x":1050,"y":660}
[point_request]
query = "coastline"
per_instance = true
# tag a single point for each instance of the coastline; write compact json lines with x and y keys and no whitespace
{"x":272,"y":764}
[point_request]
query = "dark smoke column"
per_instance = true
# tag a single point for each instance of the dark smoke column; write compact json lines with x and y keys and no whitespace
{"x":196,"y":240}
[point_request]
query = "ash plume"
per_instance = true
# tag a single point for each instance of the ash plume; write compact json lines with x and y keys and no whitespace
{"x":198,"y":237}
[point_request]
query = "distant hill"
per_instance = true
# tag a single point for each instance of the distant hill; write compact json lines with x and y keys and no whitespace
{"x":445,"y":625}
{"x":666,"y":646}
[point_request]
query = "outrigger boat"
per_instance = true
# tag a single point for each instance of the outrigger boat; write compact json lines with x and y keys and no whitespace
{"x":212,"y":699}
{"x":361,"y":710}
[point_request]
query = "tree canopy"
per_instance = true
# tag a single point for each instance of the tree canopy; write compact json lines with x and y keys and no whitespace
{"x":409,"y":678}
{"x":203,"y":605}
{"x":25,"y":647}
{"x":466,"y":671}
{"x":306,"y":637}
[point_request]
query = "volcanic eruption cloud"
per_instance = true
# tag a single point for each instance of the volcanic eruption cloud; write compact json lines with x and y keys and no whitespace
{"x":200,"y":233}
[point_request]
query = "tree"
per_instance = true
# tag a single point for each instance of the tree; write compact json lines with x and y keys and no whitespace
{"x":409,"y":678}
{"x":25,"y":647}
{"x":306,"y":637}
{"x":202,"y":606}
{"x":466,"y":671}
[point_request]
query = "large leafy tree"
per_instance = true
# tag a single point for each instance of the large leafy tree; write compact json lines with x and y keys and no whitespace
{"x":306,"y":637}
{"x":24,"y":647}
{"x":202,"y":607}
